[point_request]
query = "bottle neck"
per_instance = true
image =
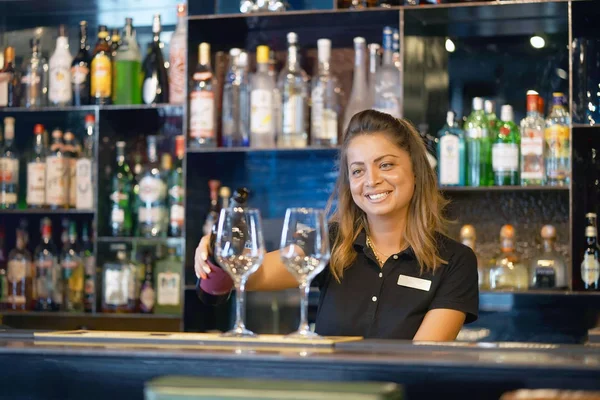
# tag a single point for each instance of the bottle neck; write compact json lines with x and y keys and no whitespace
{"x":293,"y":58}
{"x":38,"y":146}
{"x":548,"y":245}
{"x":324,"y":67}
{"x":152,"y":156}
{"x":62,"y":43}
{"x":360,"y":74}
{"x":508,"y":245}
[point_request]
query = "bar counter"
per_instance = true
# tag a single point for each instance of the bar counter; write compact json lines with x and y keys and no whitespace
{"x":40,"y":369}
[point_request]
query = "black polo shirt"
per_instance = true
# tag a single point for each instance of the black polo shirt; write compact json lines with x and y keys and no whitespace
{"x":391,"y":302}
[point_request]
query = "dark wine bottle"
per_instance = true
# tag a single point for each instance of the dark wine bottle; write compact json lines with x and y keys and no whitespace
{"x":217,"y":288}
{"x":80,"y":69}
{"x":155,"y":88}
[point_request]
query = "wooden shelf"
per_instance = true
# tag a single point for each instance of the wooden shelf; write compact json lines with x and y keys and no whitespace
{"x":46,"y":211}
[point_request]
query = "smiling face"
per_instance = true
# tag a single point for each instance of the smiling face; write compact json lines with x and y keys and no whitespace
{"x":381,"y":176}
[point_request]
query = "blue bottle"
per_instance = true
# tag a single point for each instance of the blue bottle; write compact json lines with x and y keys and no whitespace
{"x":451,"y":153}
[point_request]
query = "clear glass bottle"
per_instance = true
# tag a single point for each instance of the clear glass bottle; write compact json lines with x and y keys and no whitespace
{"x":359,"y":97}
{"x":478,"y":147}
{"x":10,"y":85}
{"x":152,"y":198}
{"x":508,"y":273}
{"x":325,"y":110}
{"x":57,"y":177}
{"x":120,"y":196}
{"x":89,"y":267}
{"x":155,"y":89}
{"x":128,"y":61}
{"x":116,"y":278}
{"x":388,"y":86}
{"x":262,"y":102}
{"x":168,"y":284}
{"x":451,"y":153}
{"x":177,"y":190}
{"x":532,"y":143}
{"x":73,"y":273}
{"x":548,"y":269}
{"x":47,"y":277}
{"x":18,"y":274}
{"x":9,"y":167}
{"x":101,"y":73}
{"x":147,"y":292}
{"x":59,"y":87}
{"x":468,"y":237}
{"x":84,"y":169}
{"x":178,"y":57}
{"x":36,"y":171}
{"x":70,"y":151}
{"x":80,"y":69}
{"x":557,"y":148}
{"x":293,"y":86}
{"x":236,"y":101}
{"x":35,"y":78}
{"x":590,"y":265}
{"x":374,"y":62}
{"x":202,"y":102}
{"x":505,"y":150}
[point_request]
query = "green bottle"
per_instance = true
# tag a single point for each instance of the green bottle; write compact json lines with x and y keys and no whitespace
{"x":167,"y":283}
{"x":128,"y":68}
{"x":120,"y":197}
{"x":478,"y":146}
{"x":490,"y":113}
{"x":505,"y":150}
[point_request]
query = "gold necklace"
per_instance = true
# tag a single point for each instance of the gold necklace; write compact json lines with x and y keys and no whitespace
{"x":375,"y":251}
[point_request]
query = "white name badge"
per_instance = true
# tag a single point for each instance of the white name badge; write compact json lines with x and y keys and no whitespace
{"x":415,"y":283}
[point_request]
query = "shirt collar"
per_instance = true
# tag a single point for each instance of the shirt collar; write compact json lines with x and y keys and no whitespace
{"x":360,"y":243}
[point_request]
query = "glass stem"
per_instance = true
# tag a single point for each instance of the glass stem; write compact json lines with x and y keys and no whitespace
{"x":240,"y":309}
{"x":304,"y":291}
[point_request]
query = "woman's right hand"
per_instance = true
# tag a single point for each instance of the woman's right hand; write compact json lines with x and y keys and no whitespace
{"x":200,"y":264}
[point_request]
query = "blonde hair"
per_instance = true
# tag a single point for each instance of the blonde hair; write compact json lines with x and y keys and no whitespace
{"x":425,"y":209}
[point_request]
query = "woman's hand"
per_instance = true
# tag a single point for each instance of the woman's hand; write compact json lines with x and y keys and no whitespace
{"x":200,"y":265}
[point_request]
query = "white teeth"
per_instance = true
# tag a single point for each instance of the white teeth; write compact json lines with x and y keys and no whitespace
{"x":378,"y":196}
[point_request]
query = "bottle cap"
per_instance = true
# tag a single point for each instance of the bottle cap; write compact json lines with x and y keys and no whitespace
{"x":359,"y":40}
{"x":489,"y":106}
{"x":57,"y":134}
{"x":590,"y":215}
{"x":181,"y":10}
{"x":532,"y":100}
{"x":62,"y":31}
{"x":9,"y":54}
{"x":225,"y":192}
{"x":324,"y":50}
{"x":506,"y":113}
{"x":467,"y":232}
{"x":214,"y":184}
{"x":38,"y":129}
{"x":121,"y":143}
{"x":450,"y":122}
{"x":590,"y":231}
{"x":292,"y":38}
{"x":477,"y":104}
{"x":262,"y":54}
{"x":548,"y":232}
{"x":242,"y":60}
{"x":234,"y":52}
{"x":507,"y":232}
{"x":90,"y":119}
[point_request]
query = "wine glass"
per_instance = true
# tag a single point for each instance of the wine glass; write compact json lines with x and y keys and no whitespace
{"x":305,"y":252}
{"x":239,"y":249}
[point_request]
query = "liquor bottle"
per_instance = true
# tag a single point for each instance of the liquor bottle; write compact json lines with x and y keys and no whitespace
{"x":489,"y":106}
{"x":217,"y":288}
{"x":57,"y":174}
{"x":236,"y":101}
{"x":292,"y":85}
{"x":478,"y":147}
{"x":176,"y":190}
{"x":548,"y":269}
{"x":80,"y":69}
{"x":18,"y":275}
{"x":202,"y":102}
{"x":388,"y":86}
{"x":101,"y":72}
{"x":89,"y":269}
{"x":120,"y":197}
{"x":178,"y":57}
{"x":3,"y":268}
{"x":116,"y":278}
{"x":36,"y":171}
{"x":9,"y":80}
{"x":84,"y":170}
{"x":277,"y":117}
{"x":262,"y":102}
{"x":468,"y":237}
{"x":147,"y":292}
{"x":47,"y":277}
{"x":155,"y":87}
{"x":557,"y":148}
{"x":590,"y":266}
{"x":115,"y":42}
{"x":73,"y":273}
{"x":374,"y":63}
{"x":505,"y":150}
{"x":71,"y":156}
{"x":9,"y":167}
{"x":325,"y":108}
{"x":532,"y":143}
{"x":214,"y":209}
{"x":35,"y":78}
{"x":168,"y":284}
{"x":128,"y":61}
{"x":451,"y":153}
{"x":152,"y":197}
{"x":359,"y":97}
{"x":59,"y":87}
{"x":508,"y":273}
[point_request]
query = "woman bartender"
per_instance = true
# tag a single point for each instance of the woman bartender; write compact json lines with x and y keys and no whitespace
{"x":392,"y":273}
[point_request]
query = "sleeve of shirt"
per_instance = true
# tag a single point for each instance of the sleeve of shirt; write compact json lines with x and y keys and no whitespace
{"x":459,"y":289}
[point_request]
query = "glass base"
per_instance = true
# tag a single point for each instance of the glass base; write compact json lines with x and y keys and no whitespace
{"x":304,"y":334}
{"x":240,"y":332}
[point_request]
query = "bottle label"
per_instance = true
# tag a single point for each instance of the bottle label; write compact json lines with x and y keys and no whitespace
{"x":79,"y":74}
{"x":84,"y":194}
{"x":9,"y":170}
{"x":449,"y":160}
{"x":117,"y":216}
{"x":176,"y":193}
{"x":60,"y":84}
{"x":36,"y":183}
{"x":202,"y":109}
{"x":101,"y":79}
{"x":261,"y":111}
{"x":16,"y":270}
{"x":177,"y":215}
{"x":147,"y":298}
{"x":590,"y":269}
{"x":532,"y":154}
{"x":505,"y":157}
{"x":545,"y":276}
{"x":293,"y":115}
{"x":324,"y":121}
{"x":115,"y":287}
{"x":177,"y":60}
{"x":4,"y":79}
{"x":57,"y":181}
{"x":168,"y":289}
{"x":89,"y":263}
{"x":149,"y":89}
{"x":558,"y":147}
{"x":152,"y":215}
{"x":15,"y":299}
{"x":477,"y":133}
{"x":152,"y":189}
